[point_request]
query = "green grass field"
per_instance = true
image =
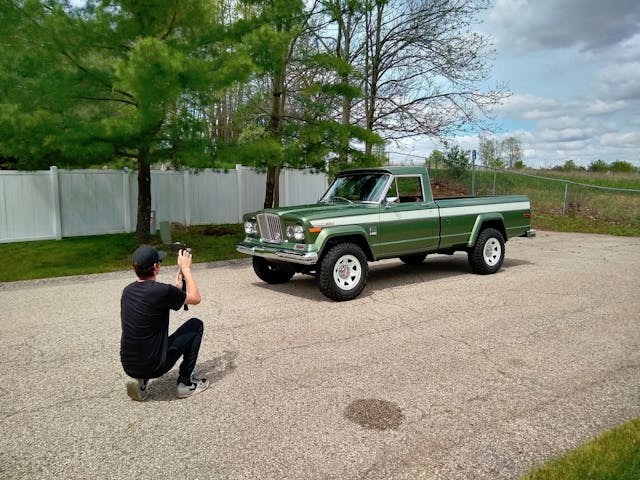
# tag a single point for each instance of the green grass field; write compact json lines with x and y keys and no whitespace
{"x":108,"y":253}
{"x":614,"y":455}
{"x":566,"y":207}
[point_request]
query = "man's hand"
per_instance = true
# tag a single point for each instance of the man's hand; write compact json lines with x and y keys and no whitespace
{"x":193,"y":294}
{"x":184,"y":260}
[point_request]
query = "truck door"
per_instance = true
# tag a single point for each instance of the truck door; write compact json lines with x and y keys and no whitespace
{"x":409,"y":219}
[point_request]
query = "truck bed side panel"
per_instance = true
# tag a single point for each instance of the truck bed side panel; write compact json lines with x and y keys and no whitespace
{"x":458,"y":216}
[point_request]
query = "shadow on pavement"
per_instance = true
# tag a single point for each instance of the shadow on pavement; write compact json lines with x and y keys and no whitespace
{"x":389,"y":273}
{"x":163,"y":389}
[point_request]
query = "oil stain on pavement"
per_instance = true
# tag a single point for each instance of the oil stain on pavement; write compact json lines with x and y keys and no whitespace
{"x":374,"y":414}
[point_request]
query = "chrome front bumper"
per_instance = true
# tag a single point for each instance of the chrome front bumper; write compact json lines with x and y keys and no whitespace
{"x":303,"y":258}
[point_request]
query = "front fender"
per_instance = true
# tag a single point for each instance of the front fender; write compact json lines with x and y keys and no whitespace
{"x":355,"y":232}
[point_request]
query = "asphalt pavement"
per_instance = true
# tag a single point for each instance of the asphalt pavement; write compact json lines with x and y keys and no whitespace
{"x":432,"y":373}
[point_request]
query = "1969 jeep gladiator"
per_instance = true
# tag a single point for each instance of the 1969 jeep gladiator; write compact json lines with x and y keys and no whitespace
{"x":376,"y":213}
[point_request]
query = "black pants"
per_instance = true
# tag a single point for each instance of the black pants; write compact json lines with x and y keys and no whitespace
{"x":184,"y":342}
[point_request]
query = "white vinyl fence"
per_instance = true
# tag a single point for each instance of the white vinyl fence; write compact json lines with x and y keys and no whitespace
{"x":57,"y":203}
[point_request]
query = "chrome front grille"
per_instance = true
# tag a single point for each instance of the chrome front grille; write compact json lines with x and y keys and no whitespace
{"x":270,"y":227}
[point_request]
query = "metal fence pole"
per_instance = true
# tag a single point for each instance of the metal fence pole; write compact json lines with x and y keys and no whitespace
{"x":495,"y":175}
{"x":564,"y":205}
{"x":473,"y":175}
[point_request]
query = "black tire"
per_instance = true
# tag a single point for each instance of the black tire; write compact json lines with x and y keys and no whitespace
{"x":415,"y":259}
{"x":343,"y":272}
{"x":487,"y":254}
{"x":270,"y":272}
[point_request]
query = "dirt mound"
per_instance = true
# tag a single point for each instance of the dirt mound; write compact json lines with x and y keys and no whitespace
{"x":441,"y":190}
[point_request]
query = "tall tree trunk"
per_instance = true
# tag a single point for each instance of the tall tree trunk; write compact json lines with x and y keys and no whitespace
{"x":144,"y":196}
{"x":374,"y":49}
{"x":343,"y":51}
{"x":272,"y":193}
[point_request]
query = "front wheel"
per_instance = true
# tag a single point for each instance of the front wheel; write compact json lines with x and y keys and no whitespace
{"x":343,"y":272}
{"x":270,"y":272}
{"x":487,"y":254}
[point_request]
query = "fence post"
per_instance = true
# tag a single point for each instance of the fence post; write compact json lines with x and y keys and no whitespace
{"x":126,"y":200}
{"x":495,"y":174}
{"x":240,"y":193}
{"x":473,"y":176}
{"x":186,"y":198}
{"x":564,"y":205}
{"x":285,"y":200}
{"x":55,"y":202}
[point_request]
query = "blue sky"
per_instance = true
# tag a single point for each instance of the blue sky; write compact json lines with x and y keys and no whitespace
{"x":573,"y":67}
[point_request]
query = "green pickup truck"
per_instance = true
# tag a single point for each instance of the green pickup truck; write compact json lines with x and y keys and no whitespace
{"x":376,"y":213}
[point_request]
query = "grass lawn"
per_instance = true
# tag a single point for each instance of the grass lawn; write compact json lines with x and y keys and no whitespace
{"x":108,"y":253}
{"x":614,"y":455}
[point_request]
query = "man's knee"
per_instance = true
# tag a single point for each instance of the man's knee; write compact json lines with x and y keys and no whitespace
{"x":195,"y":324}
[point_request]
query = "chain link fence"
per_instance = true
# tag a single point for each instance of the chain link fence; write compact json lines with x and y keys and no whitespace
{"x":548,"y":194}
{"x":558,"y":196}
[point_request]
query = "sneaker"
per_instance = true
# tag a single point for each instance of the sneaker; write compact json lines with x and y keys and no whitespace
{"x":137,"y":389}
{"x":197,"y":385}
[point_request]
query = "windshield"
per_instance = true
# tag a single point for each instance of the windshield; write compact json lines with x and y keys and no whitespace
{"x":357,"y":187}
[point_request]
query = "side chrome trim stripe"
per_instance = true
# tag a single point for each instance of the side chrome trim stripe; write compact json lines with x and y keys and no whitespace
{"x":478,"y":209}
{"x":445,"y":212}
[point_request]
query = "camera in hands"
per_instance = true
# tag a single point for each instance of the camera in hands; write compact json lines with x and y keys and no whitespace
{"x":177,"y":247}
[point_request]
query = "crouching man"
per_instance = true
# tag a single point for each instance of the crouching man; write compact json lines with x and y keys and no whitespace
{"x":146,"y":348}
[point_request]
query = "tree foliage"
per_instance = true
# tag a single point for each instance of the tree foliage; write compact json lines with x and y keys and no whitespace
{"x":490,"y":151}
{"x":269,"y":83}
{"x":622,"y":167}
{"x":499,"y":154}
{"x":512,"y":151}
{"x":82,"y":85}
{"x":457,"y":161}
{"x":568,"y":166}
{"x":418,"y":63}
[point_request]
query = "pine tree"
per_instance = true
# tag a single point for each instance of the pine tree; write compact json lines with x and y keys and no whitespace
{"x":82,"y":85}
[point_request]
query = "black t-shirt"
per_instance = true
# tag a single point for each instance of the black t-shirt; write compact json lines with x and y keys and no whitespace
{"x":144,"y":313}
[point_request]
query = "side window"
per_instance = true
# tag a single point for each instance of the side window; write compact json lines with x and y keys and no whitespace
{"x":410,"y":189}
{"x":393,"y":189}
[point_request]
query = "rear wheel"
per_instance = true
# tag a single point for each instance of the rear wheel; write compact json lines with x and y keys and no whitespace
{"x":487,"y":254}
{"x":270,"y":272}
{"x":343,"y":272}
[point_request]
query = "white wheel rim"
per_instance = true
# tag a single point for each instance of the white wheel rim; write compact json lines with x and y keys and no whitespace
{"x":492,"y":252}
{"x":347,"y":272}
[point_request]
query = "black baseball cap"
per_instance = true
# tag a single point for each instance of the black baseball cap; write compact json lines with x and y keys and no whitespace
{"x":147,"y":256}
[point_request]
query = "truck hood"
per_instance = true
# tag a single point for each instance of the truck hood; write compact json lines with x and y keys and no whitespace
{"x":322,"y":211}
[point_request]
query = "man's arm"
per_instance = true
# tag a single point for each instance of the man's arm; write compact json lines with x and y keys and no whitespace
{"x":193,"y":294}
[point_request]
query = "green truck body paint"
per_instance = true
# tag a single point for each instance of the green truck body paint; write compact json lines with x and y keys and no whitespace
{"x":376,"y":213}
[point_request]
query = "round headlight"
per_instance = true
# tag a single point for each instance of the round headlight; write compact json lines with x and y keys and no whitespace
{"x":250,"y":228}
{"x":295,"y":232}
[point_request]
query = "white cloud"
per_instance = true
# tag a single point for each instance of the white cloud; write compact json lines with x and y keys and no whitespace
{"x":528,"y":107}
{"x":574,"y":70}
{"x":621,"y":140}
{"x":601,"y":107}
{"x":620,"y":81}
{"x":567,"y":136}
{"x":591,"y":25}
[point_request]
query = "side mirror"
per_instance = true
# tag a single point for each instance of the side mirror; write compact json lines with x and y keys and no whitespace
{"x":389,"y":200}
